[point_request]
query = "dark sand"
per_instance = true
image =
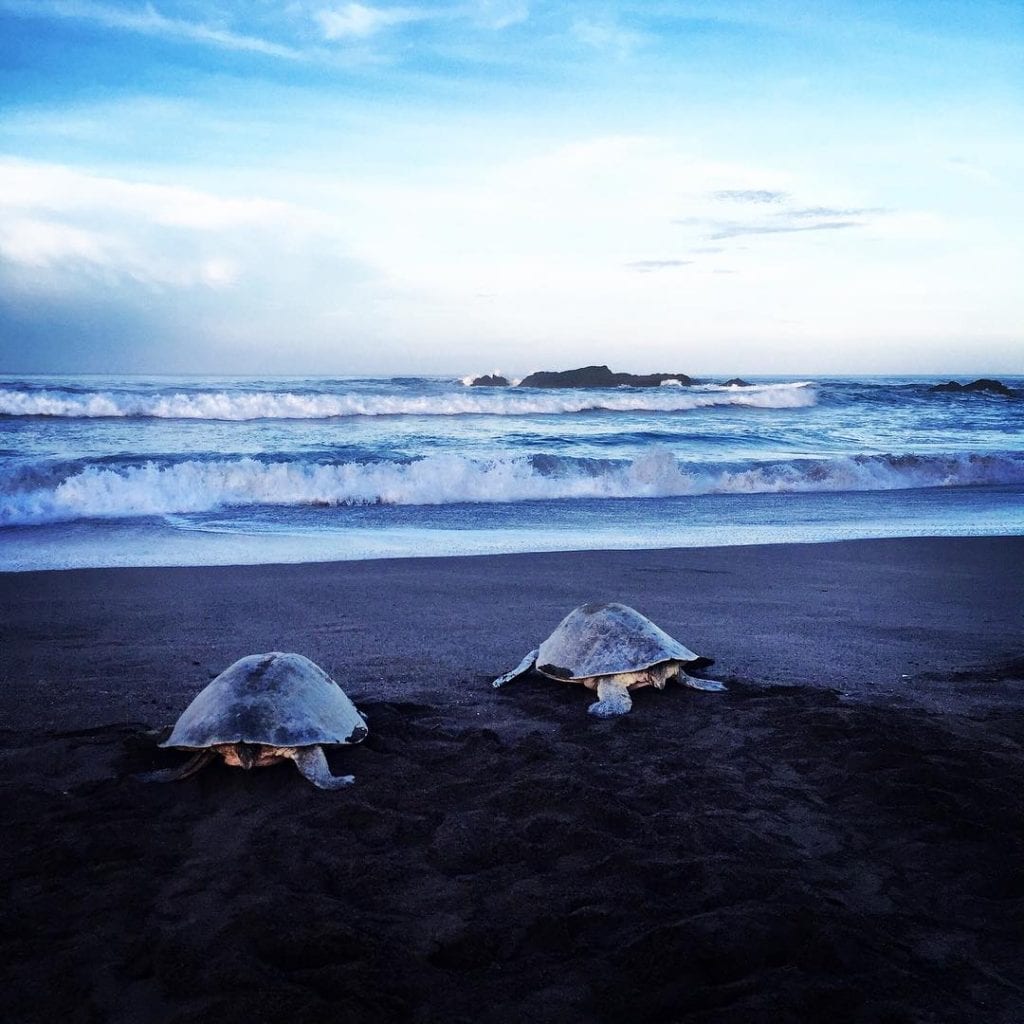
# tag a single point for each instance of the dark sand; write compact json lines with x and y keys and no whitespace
{"x":840,"y":837}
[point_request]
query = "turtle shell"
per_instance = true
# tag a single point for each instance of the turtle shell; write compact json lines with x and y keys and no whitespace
{"x":281,"y":700}
{"x":606,"y":639}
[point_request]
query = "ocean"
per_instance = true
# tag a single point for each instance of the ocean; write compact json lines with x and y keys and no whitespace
{"x":120,"y":471}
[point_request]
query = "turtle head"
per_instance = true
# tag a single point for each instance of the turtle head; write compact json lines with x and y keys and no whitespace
{"x":248,"y":754}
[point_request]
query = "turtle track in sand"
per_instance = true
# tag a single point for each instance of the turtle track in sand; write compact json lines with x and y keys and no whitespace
{"x":771,"y":855}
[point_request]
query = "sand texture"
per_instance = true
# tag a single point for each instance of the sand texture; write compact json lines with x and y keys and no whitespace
{"x":840,"y":837}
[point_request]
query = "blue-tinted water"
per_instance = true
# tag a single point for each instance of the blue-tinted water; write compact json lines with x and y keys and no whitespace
{"x":123,"y":471}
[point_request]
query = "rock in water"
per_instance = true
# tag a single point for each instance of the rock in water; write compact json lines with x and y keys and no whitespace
{"x":489,"y":380}
{"x":598,"y":377}
{"x":982,"y":384}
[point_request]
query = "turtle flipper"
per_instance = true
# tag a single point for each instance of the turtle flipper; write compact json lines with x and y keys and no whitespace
{"x":312,"y":763}
{"x":710,"y":685}
{"x":190,"y":767}
{"x":613,"y":698}
{"x":520,"y":670}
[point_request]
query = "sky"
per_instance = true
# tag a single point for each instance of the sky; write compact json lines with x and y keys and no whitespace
{"x":248,"y":186}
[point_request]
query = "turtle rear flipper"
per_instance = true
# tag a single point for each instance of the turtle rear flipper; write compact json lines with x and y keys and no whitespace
{"x":520,"y":670}
{"x":190,"y":767}
{"x":312,"y":763}
{"x":709,"y":685}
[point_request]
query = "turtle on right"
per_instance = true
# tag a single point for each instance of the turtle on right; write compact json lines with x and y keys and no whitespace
{"x":612,"y":648}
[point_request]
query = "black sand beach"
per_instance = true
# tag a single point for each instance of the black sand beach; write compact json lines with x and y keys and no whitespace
{"x":839,"y":837}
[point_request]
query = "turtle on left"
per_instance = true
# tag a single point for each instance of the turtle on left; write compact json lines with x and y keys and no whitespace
{"x":263,"y":709}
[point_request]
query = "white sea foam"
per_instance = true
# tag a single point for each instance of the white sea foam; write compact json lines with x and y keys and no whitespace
{"x":195,"y":486}
{"x":222,"y":405}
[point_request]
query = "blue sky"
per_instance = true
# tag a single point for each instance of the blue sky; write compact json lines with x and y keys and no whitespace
{"x":505,"y":184}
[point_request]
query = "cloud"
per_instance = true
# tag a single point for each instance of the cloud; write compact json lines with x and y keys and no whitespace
{"x":53,"y":189}
{"x":607,"y":36}
{"x":646,"y":266}
{"x":831,"y":212}
{"x":65,"y":231}
{"x":739,"y":230}
{"x":148,"y":21}
{"x":38,"y":243}
{"x":357,"y":21}
{"x":751,"y":195}
{"x":779,"y":217}
{"x":97,"y":270}
{"x":499,"y":14}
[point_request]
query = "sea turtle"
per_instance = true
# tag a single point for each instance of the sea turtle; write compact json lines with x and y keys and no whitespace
{"x":613,"y":649}
{"x":261,"y":710}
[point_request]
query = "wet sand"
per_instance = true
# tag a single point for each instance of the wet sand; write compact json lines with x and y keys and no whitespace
{"x":839,"y":837}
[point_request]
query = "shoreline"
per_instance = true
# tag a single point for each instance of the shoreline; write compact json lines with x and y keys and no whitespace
{"x":386,"y":559}
{"x":838,"y":836}
{"x":30,"y":549}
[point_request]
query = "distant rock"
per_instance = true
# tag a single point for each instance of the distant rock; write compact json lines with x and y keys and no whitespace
{"x":983,"y":384}
{"x":598,"y":377}
{"x":489,"y":380}
{"x":737,"y":382}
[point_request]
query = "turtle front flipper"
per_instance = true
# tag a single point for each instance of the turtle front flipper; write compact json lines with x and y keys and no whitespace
{"x":710,"y":685}
{"x":190,"y":767}
{"x":312,"y":763}
{"x":613,"y":698}
{"x":520,"y":670}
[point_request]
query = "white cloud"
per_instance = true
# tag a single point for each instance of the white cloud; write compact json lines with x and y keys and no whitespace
{"x":607,"y":36}
{"x":157,"y":275}
{"x":499,"y":14}
{"x":148,"y":21}
{"x":49,"y":256}
{"x":353,"y":21}
{"x":357,"y":21}
{"x":62,"y":229}
{"x":220,"y":272}
{"x":55,"y":188}
{"x":40,"y":243}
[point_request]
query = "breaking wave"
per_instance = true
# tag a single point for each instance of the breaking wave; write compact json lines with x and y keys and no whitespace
{"x":97,"y":491}
{"x":224,"y":405}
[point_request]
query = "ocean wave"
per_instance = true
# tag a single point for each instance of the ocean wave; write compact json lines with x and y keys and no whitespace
{"x":195,"y":486}
{"x":223,"y":405}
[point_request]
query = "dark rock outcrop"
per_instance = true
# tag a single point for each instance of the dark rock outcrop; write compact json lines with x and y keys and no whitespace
{"x":489,"y":380}
{"x":598,"y":377}
{"x":983,"y":385}
{"x":737,"y":382}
